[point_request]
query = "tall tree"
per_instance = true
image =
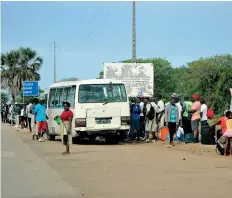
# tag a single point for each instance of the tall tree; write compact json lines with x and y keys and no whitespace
{"x":18,"y":66}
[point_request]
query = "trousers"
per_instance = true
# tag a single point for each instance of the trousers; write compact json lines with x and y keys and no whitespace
{"x":135,"y":124}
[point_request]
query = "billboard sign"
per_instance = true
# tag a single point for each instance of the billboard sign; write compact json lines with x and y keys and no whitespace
{"x":30,"y":88}
{"x":138,"y":77}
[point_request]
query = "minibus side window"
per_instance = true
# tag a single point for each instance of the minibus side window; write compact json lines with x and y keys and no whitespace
{"x":71,"y":91}
{"x":52,"y":95}
{"x":62,"y":94}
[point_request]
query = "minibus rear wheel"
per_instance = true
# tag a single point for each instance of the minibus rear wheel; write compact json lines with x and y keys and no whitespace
{"x":112,"y":139}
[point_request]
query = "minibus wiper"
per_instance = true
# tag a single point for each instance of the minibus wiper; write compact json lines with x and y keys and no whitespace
{"x":111,"y":99}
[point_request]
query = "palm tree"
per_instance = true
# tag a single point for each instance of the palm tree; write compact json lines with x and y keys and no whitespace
{"x":18,"y":66}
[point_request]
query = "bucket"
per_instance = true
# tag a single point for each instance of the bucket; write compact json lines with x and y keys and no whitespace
{"x":163,"y":133}
{"x":57,"y":119}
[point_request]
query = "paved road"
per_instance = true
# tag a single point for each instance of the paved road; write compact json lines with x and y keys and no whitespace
{"x":35,"y":169}
{"x":24,"y":174}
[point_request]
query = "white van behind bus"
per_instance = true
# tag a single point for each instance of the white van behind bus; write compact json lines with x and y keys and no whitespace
{"x":100,"y":107}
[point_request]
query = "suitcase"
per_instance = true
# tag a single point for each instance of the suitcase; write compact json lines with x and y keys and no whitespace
{"x":207,"y":135}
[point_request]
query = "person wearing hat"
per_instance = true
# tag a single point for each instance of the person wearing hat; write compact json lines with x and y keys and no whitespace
{"x":195,"y":110}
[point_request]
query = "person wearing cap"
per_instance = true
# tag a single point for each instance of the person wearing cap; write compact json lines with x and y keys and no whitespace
{"x":195,"y":110}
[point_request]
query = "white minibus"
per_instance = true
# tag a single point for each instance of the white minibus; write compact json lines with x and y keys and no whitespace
{"x":100,"y":107}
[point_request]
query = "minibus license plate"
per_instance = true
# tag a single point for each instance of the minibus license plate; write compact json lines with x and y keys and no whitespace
{"x":103,"y":121}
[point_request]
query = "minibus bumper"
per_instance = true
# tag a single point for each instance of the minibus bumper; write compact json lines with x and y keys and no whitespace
{"x":97,"y":130}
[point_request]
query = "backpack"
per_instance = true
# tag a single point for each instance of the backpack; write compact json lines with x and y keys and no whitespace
{"x":151,"y":113}
{"x":210,"y":114}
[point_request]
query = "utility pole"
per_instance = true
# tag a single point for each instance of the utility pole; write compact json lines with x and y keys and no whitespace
{"x":54,"y":45}
{"x":133,"y":34}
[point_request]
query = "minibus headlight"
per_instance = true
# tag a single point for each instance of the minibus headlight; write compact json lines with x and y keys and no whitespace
{"x":80,"y":122}
{"x":125,"y":120}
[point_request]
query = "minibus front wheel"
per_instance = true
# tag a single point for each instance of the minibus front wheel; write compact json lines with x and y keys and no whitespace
{"x":51,"y":137}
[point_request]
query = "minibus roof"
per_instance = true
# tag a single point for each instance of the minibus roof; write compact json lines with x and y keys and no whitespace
{"x":79,"y":82}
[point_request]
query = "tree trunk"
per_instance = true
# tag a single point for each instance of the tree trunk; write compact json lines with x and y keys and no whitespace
{"x":13,"y":97}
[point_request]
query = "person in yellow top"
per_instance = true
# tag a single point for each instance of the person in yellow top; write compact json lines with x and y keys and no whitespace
{"x":186,"y":120}
{"x":228,"y":134}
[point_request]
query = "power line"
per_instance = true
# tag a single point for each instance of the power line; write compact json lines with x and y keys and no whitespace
{"x":111,"y":23}
{"x":98,"y":25}
{"x":96,"y":13}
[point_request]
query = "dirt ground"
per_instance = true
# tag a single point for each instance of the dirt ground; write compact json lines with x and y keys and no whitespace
{"x":139,"y":170}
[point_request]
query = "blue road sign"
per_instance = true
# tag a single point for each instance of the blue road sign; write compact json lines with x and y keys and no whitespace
{"x":30,"y":88}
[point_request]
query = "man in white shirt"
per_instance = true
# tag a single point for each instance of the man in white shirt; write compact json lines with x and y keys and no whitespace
{"x":29,"y":114}
{"x":203,"y":113}
{"x":160,"y":112}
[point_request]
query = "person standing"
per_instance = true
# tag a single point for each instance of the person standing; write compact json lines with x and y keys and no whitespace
{"x":172,"y":119}
{"x":29,"y":114}
{"x":3,"y":109}
{"x":179,"y":109}
{"x":142,"y":118}
{"x":10,"y":112}
{"x":135,"y":119}
{"x":22,"y":117}
{"x":186,"y":119}
{"x":66,"y":118}
{"x":150,"y":120}
{"x":6,"y":111}
{"x":203,"y":113}
{"x":160,"y":112}
{"x":154,"y":128}
{"x":228,"y":133}
{"x":40,"y":119}
{"x":195,"y":110}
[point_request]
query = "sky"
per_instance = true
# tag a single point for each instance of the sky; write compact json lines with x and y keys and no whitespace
{"x":90,"y":33}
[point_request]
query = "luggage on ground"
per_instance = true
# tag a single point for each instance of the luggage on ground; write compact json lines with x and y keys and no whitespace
{"x":220,"y":146}
{"x":189,"y":138}
{"x":207,"y":135}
